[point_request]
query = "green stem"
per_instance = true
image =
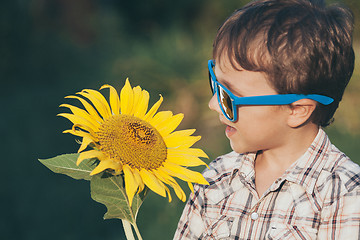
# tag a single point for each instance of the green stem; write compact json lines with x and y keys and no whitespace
{"x":128,"y":231}
{"x":137,"y":232}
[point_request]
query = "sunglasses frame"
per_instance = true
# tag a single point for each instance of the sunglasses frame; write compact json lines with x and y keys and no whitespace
{"x":278,"y":99}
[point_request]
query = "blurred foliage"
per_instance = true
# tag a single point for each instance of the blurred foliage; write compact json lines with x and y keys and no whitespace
{"x":53,"y":48}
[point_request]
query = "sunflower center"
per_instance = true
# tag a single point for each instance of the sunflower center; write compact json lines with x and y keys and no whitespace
{"x":132,"y":141}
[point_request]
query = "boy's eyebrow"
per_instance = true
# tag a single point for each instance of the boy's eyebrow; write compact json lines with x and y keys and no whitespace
{"x":227,"y":82}
{"x":230,"y":86}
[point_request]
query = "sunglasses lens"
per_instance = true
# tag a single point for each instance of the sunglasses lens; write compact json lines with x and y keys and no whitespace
{"x":226,"y":103}
{"x":212,"y":84}
{"x":223,"y":97}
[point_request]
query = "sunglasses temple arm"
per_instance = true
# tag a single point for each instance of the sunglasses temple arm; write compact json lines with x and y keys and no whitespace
{"x":281,"y":99}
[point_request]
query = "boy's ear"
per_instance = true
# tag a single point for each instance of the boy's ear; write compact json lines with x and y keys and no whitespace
{"x":300,"y":112}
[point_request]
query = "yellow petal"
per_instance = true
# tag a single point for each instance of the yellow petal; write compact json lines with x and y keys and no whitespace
{"x":160,"y":117}
{"x":172,"y":182}
{"x":82,"y":113}
{"x":183,"y":173}
{"x":114,"y":99}
{"x":100,"y":107}
{"x":142,"y":105}
{"x":90,"y":154}
{"x":84,"y":143}
{"x":191,"y":186}
{"x":168,"y":193}
{"x":152,"y":182}
{"x":153,"y":109}
{"x":182,"y":133}
{"x":126,"y":98}
{"x":170,"y":124}
{"x":137,"y":98}
{"x":106,"y":164}
{"x":100,"y":98}
{"x":161,"y":178}
{"x":80,"y":133}
{"x":185,"y":160}
{"x":79,"y":121}
{"x":180,"y":141}
{"x":131,"y":184}
{"x":138,"y":180}
{"x":179,"y":192}
{"x":189,"y":151}
{"x":88,"y":108}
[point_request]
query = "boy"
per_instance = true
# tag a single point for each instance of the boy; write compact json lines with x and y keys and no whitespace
{"x":279,"y":72}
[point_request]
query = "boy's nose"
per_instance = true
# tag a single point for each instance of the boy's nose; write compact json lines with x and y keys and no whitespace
{"x":214,"y":105}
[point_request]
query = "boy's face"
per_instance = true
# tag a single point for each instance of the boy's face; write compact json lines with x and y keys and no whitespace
{"x":257,"y":127}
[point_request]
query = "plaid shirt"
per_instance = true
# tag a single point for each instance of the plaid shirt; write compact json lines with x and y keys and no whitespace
{"x":318,"y":197}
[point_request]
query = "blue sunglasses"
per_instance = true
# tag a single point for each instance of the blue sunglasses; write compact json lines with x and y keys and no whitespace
{"x":228,"y":101}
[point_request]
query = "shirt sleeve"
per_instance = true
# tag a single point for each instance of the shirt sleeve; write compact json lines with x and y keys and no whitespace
{"x":191,"y":225}
{"x":340,"y":219}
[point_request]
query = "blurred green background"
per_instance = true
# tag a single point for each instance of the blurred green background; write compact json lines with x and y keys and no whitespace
{"x":53,"y":48}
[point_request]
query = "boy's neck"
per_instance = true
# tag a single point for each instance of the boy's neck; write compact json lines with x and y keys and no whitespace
{"x":294,"y":146}
{"x":271,"y":164}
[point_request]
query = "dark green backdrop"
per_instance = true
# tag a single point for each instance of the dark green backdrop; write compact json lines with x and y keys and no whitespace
{"x":53,"y":48}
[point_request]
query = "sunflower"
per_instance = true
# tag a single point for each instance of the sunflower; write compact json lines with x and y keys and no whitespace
{"x":128,"y":139}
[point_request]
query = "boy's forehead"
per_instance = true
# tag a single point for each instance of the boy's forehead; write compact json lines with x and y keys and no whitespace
{"x":230,"y":76}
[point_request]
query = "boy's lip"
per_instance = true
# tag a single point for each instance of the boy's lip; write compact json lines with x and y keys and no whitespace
{"x":230,"y":130}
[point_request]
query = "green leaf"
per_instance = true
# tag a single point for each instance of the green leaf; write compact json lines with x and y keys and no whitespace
{"x":110,"y":191}
{"x":66,"y":164}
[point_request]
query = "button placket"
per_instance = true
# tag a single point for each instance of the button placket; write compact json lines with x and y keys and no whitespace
{"x":254,"y":216}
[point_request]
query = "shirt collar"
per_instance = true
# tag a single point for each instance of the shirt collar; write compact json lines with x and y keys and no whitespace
{"x":304,"y":171}
{"x":247,"y":167}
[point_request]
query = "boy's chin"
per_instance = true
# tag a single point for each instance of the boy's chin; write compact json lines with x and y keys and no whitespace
{"x":237,"y":149}
{"x":241,"y":149}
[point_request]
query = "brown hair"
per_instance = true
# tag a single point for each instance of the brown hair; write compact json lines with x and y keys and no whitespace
{"x":302,"y":47}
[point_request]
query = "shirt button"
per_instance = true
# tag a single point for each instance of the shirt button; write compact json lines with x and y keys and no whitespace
{"x":254,"y":216}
